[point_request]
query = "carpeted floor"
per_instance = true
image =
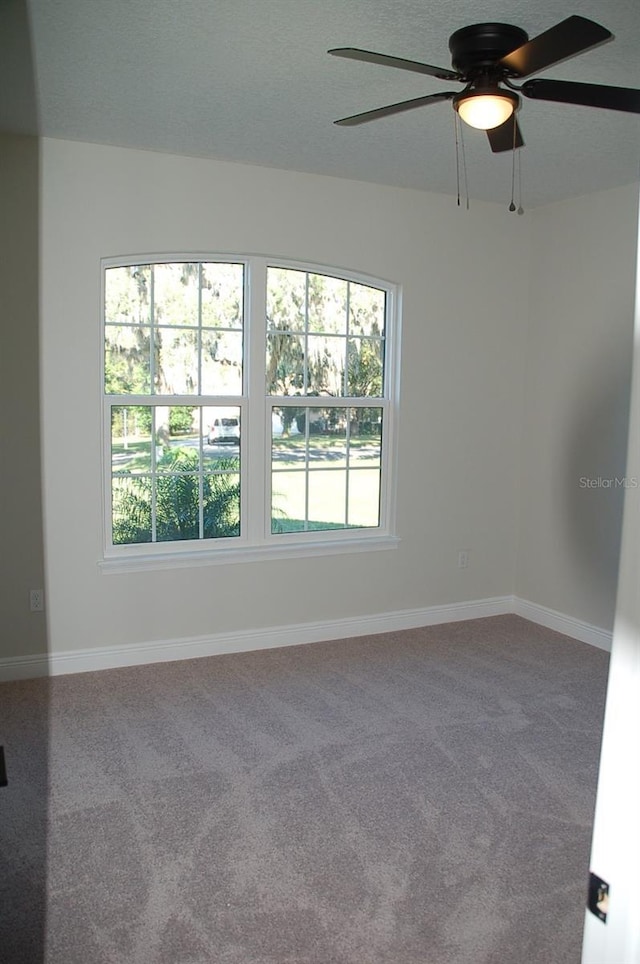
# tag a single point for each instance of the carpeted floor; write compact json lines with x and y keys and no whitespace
{"x":419,"y":797}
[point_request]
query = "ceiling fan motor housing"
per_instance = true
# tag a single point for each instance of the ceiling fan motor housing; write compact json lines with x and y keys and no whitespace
{"x":480,"y":46}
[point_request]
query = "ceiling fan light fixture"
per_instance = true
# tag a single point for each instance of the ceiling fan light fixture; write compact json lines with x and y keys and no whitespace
{"x":486,"y":109}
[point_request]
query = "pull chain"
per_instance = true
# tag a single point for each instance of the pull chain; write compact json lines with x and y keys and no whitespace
{"x":465,"y":179}
{"x":460,"y":154}
{"x":520,"y":208}
{"x":455,"y":127}
{"x":512,"y":206}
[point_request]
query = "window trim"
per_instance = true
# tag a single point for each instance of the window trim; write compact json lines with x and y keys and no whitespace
{"x":256,"y":541}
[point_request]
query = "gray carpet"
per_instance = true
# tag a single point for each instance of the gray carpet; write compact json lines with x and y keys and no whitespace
{"x":419,"y":797}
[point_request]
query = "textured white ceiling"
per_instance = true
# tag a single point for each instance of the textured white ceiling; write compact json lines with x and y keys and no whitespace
{"x":251,"y":81}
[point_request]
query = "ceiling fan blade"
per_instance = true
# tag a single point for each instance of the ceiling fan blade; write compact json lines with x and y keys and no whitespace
{"x":568,"y":38}
{"x":370,"y":115}
{"x":501,"y":138}
{"x":586,"y":95}
{"x":369,"y":57}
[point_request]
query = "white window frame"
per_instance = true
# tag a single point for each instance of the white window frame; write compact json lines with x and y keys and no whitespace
{"x":256,"y":541}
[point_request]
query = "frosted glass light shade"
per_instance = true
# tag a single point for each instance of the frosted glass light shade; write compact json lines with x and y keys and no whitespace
{"x":485,"y":111}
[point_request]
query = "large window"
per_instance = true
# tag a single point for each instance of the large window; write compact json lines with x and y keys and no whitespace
{"x":249,"y":407}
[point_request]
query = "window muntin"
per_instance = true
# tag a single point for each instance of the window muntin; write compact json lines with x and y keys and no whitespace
{"x":178,"y":338}
{"x":326,"y":469}
{"x":172,"y":493}
{"x":174,"y":329}
{"x":325,"y":339}
{"x":325,"y":335}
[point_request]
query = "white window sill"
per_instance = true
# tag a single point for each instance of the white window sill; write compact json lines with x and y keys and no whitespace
{"x":134,"y":561}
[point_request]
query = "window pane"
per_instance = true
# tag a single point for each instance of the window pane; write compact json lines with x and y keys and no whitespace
{"x":221,"y":464}
{"x":286,"y":299}
{"x":327,"y":304}
{"x":184,"y":425}
{"x":177,"y":507}
{"x":365,"y":437}
{"x":364,"y":497}
{"x":365,"y":368}
{"x":221,"y":501}
{"x":366,"y":310}
{"x":288,"y":453}
{"x":221,"y":362}
{"x":131,"y":500}
{"x":176,"y":438}
{"x":175,"y":294}
{"x":127,"y":295}
{"x":317,"y":456}
{"x":288,"y":502}
{"x":287,"y":437}
{"x":131,"y":439}
{"x":327,"y":498}
{"x":222,"y":295}
{"x":174,"y":458}
{"x":221,"y":431}
{"x":127,"y":369}
{"x":176,"y":451}
{"x":159,"y":492}
{"x":326,"y":363}
{"x":176,"y":362}
{"x":327,"y":435}
{"x":285,"y":364}
{"x":179,"y":493}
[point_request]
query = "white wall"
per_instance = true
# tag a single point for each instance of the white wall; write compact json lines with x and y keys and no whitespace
{"x":578,"y":352}
{"x":463,"y":277}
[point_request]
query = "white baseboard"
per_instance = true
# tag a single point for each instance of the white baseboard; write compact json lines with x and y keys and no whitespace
{"x":166,"y":650}
{"x":561,"y":623}
{"x":159,"y":651}
{"x":24,"y":667}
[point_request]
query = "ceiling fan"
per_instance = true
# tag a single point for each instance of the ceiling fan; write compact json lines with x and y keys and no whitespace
{"x":485,"y":57}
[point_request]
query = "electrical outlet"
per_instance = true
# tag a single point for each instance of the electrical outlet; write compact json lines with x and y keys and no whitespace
{"x":36,"y":600}
{"x":463,"y":559}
